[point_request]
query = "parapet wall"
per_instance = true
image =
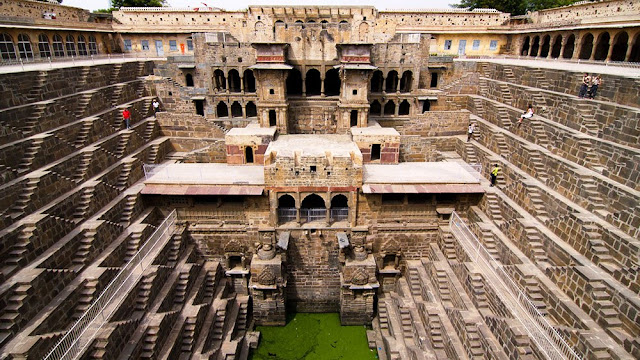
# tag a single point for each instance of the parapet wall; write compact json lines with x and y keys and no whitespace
{"x":37,"y":9}
{"x":588,"y":11}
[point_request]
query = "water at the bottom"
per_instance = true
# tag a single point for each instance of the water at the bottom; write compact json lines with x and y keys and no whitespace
{"x":313,"y":337}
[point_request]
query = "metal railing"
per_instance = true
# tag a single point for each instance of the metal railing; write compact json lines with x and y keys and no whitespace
{"x":547,"y":339}
{"x":84,"y":329}
{"x":558,"y":59}
{"x":26,"y":63}
{"x":339,"y":214}
{"x":287,"y":215}
{"x":309,"y":215}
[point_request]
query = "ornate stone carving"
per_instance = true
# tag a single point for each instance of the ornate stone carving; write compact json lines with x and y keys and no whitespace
{"x":266,"y":252}
{"x":391,"y":246}
{"x":234,"y":246}
{"x":266,"y":277}
{"x":359,"y":253}
{"x":360,"y":277}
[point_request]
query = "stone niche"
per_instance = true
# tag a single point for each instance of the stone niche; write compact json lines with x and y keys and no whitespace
{"x":377,"y":144}
{"x":358,"y":288}
{"x":267,"y":286}
{"x":248,"y":145}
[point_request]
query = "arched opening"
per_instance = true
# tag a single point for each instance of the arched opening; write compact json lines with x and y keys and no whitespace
{"x":602,"y":48}
{"x":569,"y":46}
{"x":406,"y":81}
{"x":404,"y":108}
{"x":587,"y":46}
{"x":376,"y":82}
{"x":390,"y":108}
{"x":324,"y":23}
{"x":82,"y":46}
{"x":236,"y":109}
{"x":249,"y":81}
{"x":620,"y":46}
{"x":557,"y":46}
{"x":535,"y":46}
{"x":634,"y":55}
{"x":332,"y":83}
{"x":299,"y":23}
{"x":339,"y":208}
{"x":219,"y":80}
{"x":43,"y":46}
{"x":313,"y":82}
{"x":524,"y":51}
{"x":313,"y":209}
{"x":71,"y":46}
{"x":286,"y":209}
{"x":222,"y":110}
{"x":58,"y":46}
{"x":426,"y":106}
{"x":248,"y":155}
{"x":354,"y":118}
{"x":392,"y":81}
{"x":234,"y":81}
{"x":272,"y":118}
{"x":294,"y":82}
{"x":24,"y":47}
{"x":251,"y":109}
{"x":544,"y":50}
{"x":375,"y":108}
{"x":7,"y":50}
{"x":188,"y":79}
{"x":93,"y":46}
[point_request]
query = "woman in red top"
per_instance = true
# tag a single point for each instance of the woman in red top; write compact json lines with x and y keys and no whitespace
{"x":126,"y":114}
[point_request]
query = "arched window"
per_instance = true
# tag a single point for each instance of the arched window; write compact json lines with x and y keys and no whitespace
{"x":236,"y":109}
{"x":339,"y":208}
{"x":634,"y":55}
{"x":251,"y":109}
{"x":376,"y":82}
{"x":82,"y":46}
{"x":7,"y":50}
{"x":234,"y":80}
{"x":332,"y":83}
{"x":404,"y":108}
{"x":93,"y":47}
{"x":248,"y":153}
{"x":188,"y":79}
{"x":535,"y":46}
{"x":313,"y":209}
{"x":299,"y":23}
{"x":587,"y":46}
{"x":313,"y":82}
{"x":294,"y":82}
{"x":602,"y":48}
{"x":544,"y":51}
{"x":525,"y":47}
{"x":568,"y":47}
{"x":390,"y":108}
{"x":286,"y":209}
{"x":324,"y":23}
{"x":219,"y":80}
{"x":406,"y":81}
{"x":222,"y":110}
{"x":392,"y":81}
{"x":24,"y":47}
{"x":620,"y":46}
{"x":249,"y":81}
{"x":557,"y":45}
{"x":43,"y":46}
{"x":58,"y":46}
{"x":375,"y":108}
{"x":71,"y":46}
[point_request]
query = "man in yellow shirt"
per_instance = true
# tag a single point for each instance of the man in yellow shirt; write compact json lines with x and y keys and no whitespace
{"x":494,"y":174}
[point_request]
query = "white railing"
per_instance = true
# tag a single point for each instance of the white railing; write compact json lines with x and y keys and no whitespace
{"x":85,"y":329}
{"x":309,"y":215}
{"x":287,"y":214}
{"x":547,"y":339}
{"x":35,"y":63}
{"x":339,"y":214}
{"x":558,"y":59}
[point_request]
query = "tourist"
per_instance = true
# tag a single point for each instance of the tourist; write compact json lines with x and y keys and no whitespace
{"x":526,"y":115}
{"x":472,"y":127}
{"x":594,"y":87}
{"x":586,"y":82}
{"x":156,"y":106}
{"x":126,"y":114}
{"x":494,"y":174}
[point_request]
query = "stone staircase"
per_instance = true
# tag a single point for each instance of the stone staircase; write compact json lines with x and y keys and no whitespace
{"x":20,"y":249}
{"x":20,"y":205}
{"x":188,"y":334}
{"x":122,"y":143}
{"x":123,"y":180}
{"x":414,"y":281}
{"x":536,"y":248}
{"x":115,"y":74}
{"x":503,"y":118}
{"x":83,"y":135}
{"x":493,"y":207}
{"x":133,"y":245}
{"x":534,"y":292}
{"x":149,"y":343}
{"x":30,"y":154}
{"x":128,"y":210}
{"x":153,"y":154}
{"x":383,"y":316}
{"x":83,"y":103}
{"x":35,"y":93}
{"x":540,"y":79}
{"x":85,"y":203}
{"x":509,"y":75}
{"x":505,"y":94}
{"x":243,"y":313}
{"x":449,"y":247}
{"x":589,"y":158}
{"x":470,"y":154}
{"x":501,"y":144}
{"x":488,"y":240}
{"x":593,"y":198}
{"x":588,"y":122}
{"x":536,"y":202}
{"x":83,"y":167}
{"x":87,"y":295}
{"x":32,"y":121}
{"x":478,"y":287}
{"x":117,"y":92}
{"x":11,"y":310}
{"x":407,"y":322}
{"x":535,"y":158}
{"x":597,"y":247}
{"x":181,"y":288}
{"x":85,"y":247}
{"x":144,"y":292}
{"x":477,"y":104}
{"x":84,"y":73}
{"x":539,"y":132}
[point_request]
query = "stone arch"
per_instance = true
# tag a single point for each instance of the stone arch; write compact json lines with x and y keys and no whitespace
{"x":332,"y":83}
{"x":313,"y":201}
{"x":43,"y":46}
{"x":544,"y":50}
{"x":251,"y":109}
{"x":219,"y":80}
{"x":259,"y":26}
{"x":249,"y":81}
{"x":602,"y":46}
{"x":339,"y":200}
{"x":620,"y":46}
{"x":7,"y":48}
{"x":93,"y":46}
{"x":406,"y":82}
{"x":313,"y":82}
{"x":557,"y":46}
{"x":222,"y":110}
{"x":24,"y":47}
{"x":375,"y":108}
{"x":188,"y":79}
{"x":569,"y":47}
{"x":377,"y":82}
{"x":405,"y":108}
{"x":236,"y":109}
{"x":82,"y":46}
{"x":524,"y":51}
{"x":634,"y":55}
{"x":363,"y":31}
{"x":286,"y":201}
{"x":535,"y":46}
{"x":390,"y":108}
{"x":234,"y":81}
{"x":392,"y":81}
{"x":70,"y":45}
{"x":294,"y":82}
{"x":586,"y":47}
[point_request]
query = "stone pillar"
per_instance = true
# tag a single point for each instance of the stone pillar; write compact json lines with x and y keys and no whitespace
{"x":304,"y":85}
{"x":358,"y":288}
{"x":244,"y":111}
{"x":577,"y":45}
{"x":229,"y":113}
{"x":242,"y":85}
{"x":321,"y":86}
{"x":608,"y":58}
{"x":563,"y":44}
{"x":629,"y":48}
{"x":268,"y":286}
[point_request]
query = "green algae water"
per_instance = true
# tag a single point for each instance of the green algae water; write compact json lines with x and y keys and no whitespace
{"x":313,"y":336}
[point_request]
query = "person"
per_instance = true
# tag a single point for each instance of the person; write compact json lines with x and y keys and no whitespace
{"x":126,"y":114}
{"x":526,"y":115}
{"x":494,"y":174}
{"x":586,"y":82}
{"x":472,"y":127}
{"x":594,"y":87}
{"x":156,"y":106}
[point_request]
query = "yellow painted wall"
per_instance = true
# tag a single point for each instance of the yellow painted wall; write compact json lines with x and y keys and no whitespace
{"x":483,"y":49}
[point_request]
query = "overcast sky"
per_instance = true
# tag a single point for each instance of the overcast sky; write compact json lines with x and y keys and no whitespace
{"x":243,"y":4}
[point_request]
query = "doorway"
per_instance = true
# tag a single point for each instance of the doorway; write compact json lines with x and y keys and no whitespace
{"x":159,"y":49}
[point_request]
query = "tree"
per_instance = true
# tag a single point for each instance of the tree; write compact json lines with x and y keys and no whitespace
{"x":137,"y":3}
{"x":513,"y":7}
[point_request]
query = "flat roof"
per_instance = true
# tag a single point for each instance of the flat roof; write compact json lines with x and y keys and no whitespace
{"x":313,"y":145}
{"x":374,"y":130}
{"x":206,"y":174}
{"x":252,"y":130}
{"x":417,"y":173}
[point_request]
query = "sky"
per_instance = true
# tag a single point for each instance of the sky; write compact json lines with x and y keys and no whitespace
{"x":243,"y":4}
